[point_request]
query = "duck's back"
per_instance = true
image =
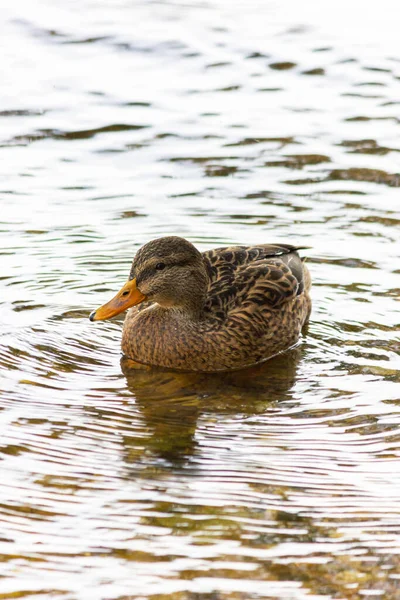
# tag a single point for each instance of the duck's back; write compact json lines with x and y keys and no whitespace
{"x":240,"y":277}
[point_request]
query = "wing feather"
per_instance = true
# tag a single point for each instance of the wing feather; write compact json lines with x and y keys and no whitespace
{"x":265,"y":276}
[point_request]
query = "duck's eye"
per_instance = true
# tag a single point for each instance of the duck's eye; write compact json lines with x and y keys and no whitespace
{"x":160,"y":266}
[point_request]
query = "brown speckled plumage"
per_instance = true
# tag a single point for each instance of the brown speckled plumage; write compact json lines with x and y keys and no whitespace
{"x":227,"y":308}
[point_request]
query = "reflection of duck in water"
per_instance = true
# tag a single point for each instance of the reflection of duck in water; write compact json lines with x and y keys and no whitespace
{"x":171,"y":402}
{"x":224,"y":309}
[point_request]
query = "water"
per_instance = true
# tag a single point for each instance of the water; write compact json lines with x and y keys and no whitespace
{"x":223,"y":123}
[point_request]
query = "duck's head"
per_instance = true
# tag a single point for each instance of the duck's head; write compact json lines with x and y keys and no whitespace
{"x":169,"y":271}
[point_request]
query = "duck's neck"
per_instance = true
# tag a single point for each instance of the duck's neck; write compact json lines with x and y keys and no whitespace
{"x":189,"y":303}
{"x":189,"y":312}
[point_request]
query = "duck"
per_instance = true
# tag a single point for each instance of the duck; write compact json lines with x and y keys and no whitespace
{"x":224,"y":309}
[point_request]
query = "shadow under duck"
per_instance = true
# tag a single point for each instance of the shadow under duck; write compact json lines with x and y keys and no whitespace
{"x":226,"y":308}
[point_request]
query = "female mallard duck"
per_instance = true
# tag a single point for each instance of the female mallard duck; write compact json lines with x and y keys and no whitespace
{"x":223,"y":309}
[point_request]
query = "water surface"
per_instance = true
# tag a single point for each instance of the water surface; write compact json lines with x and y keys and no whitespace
{"x":223,"y":123}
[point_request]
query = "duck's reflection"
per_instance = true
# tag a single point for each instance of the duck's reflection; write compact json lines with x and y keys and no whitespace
{"x":171,"y":403}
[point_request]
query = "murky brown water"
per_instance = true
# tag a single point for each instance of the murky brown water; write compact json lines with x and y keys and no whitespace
{"x":224,"y":123}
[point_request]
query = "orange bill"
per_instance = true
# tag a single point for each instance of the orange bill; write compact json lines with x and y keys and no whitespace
{"x":127,"y":296}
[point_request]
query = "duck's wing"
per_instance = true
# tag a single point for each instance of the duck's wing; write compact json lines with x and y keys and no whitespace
{"x":265,"y":275}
